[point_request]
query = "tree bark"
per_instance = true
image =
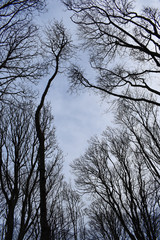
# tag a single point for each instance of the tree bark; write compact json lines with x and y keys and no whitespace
{"x":45,"y":230}
{"x":10,"y":222}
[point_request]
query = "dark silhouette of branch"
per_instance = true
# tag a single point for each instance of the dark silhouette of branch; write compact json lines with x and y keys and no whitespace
{"x":57,"y":44}
{"x":124,"y":47}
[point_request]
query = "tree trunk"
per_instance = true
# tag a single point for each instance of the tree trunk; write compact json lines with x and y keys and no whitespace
{"x":10,"y":222}
{"x":45,"y":229}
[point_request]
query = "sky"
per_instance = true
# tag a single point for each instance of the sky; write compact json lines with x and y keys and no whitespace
{"x":77,"y":117}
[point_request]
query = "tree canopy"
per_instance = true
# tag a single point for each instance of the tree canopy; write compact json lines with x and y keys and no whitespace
{"x":123,"y":45}
{"x":116,"y":195}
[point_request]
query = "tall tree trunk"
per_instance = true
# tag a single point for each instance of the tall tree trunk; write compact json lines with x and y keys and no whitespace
{"x":59,"y":47}
{"x":10,"y":222}
{"x":45,"y":229}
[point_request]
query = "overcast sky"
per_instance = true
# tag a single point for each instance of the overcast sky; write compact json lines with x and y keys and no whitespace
{"x":77,"y":117}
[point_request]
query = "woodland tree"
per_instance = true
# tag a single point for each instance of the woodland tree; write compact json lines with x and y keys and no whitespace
{"x":67,"y":215}
{"x":123,"y":44}
{"x":103,"y":222}
{"x":142,"y":121}
{"x":121,"y":174}
{"x":57,"y":47}
{"x":19,"y":54}
{"x":19,"y":175}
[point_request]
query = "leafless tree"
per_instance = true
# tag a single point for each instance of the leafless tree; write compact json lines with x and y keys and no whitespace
{"x":67,"y":215}
{"x":19,"y":175}
{"x":103,"y":222}
{"x":57,"y":48}
{"x":115,"y":172}
{"x":142,"y":122}
{"x":19,"y":52}
{"x":75,"y":211}
{"x":123,"y":44}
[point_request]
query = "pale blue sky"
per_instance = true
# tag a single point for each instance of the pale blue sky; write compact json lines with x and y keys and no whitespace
{"x":77,"y":117}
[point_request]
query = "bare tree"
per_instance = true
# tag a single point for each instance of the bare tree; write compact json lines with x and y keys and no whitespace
{"x":19,"y":53}
{"x":142,"y":122}
{"x":57,"y":49}
{"x":103,"y":222}
{"x":67,"y":215}
{"x":123,"y":45}
{"x":18,"y":164}
{"x":114,"y":171}
{"x":19,"y":175}
{"x":75,"y":210}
